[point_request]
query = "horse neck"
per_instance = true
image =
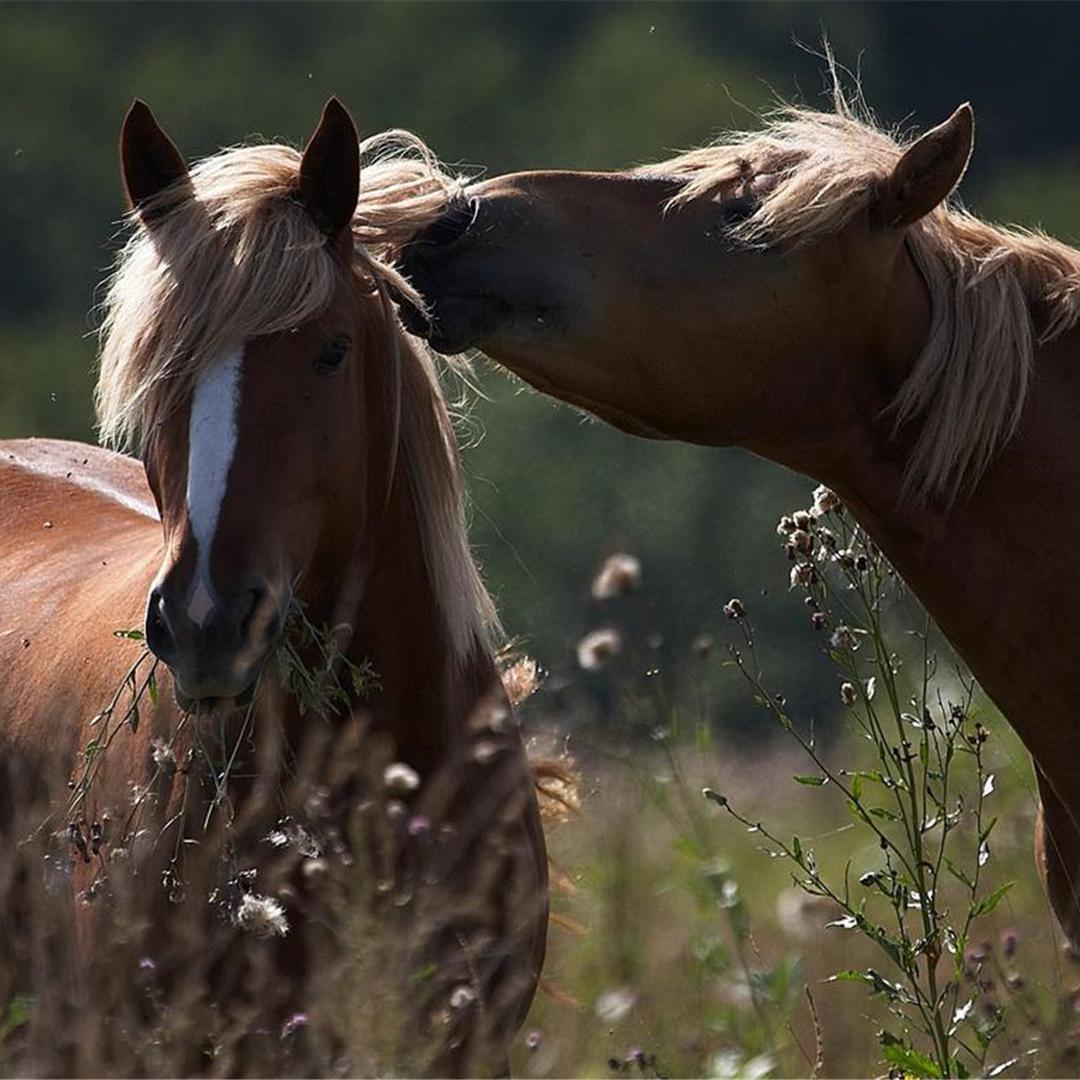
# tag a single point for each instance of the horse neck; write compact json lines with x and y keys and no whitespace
{"x":997,"y":569}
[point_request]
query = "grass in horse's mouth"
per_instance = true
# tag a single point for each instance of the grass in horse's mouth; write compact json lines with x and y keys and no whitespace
{"x":216,"y":704}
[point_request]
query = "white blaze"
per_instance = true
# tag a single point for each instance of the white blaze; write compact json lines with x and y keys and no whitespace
{"x":211,"y":445}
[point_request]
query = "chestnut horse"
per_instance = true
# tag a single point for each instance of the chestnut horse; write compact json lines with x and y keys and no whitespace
{"x":298,"y":468}
{"x":809,"y":292}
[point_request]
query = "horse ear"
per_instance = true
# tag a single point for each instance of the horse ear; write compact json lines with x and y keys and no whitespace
{"x":929,"y":170}
{"x":330,"y":170}
{"x":149,"y":160}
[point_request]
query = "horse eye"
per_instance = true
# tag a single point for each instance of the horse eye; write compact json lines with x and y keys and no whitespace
{"x":332,"y":356}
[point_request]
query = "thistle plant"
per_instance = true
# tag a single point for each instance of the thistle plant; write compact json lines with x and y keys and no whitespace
{"x":922,"y":800}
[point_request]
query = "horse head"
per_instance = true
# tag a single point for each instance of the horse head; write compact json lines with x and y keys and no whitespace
{"x":267,"y":384}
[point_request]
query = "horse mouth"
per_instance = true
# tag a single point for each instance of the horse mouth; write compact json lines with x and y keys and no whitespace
{"x":215,"y":703}
{"x":412,"y":318}
{"x":456,"y":321}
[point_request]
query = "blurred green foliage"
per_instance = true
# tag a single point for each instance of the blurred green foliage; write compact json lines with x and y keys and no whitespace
{"x":506,"y":86}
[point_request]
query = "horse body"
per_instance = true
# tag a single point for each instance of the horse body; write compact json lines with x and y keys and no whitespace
{"x":804,"y":292}
{"x":80,"y":538}
{"x":326,"y":491}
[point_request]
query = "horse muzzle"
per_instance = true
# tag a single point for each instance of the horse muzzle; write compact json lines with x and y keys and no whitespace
{"x":464,"y":303}
{"x":215,"y":648}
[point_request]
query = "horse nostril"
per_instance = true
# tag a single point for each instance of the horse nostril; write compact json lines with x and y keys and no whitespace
{"x":246,"y":607}
{"x":159,"y":637}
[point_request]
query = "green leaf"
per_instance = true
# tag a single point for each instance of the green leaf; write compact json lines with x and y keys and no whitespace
{"x":151,"y":686}
{"x":811,"y":781}
{"x":132,"y":635}
{"x":991,"y":900}
{"x":958,"y":873}
{"x":850,"y":976}
{"x":913,"y":1062}
{"x":15,"y":1015}
{"x":711,"y":953}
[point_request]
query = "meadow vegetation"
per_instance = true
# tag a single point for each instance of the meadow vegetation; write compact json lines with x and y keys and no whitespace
{"x":855,"y":903}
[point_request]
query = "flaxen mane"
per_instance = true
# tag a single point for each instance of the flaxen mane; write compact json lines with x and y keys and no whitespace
{"x":234,"y":256}
{"x":996,"y":292}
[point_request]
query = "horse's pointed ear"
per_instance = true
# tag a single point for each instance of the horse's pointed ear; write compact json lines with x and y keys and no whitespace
{"x":929,"y":170}
{"x":149,"y":159}
{"x":330,"y":170}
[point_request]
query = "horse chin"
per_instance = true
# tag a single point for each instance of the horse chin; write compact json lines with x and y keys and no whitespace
{"x":218,"y":704}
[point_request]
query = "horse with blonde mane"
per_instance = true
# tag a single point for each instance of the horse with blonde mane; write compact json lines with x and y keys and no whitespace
{"x":812,"y":292}
{"x":318,"y":618}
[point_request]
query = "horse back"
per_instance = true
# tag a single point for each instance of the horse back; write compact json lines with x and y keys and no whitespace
{"x":79,"y":545}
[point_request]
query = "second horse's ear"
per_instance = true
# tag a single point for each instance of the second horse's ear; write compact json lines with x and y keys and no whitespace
{"x":330,"y":170}
{"x":149,"y":160}
{"x":929,"y":170}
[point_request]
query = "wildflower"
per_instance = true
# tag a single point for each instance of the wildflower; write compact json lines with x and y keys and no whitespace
{"x":734,"y":609}
{"x":296,"y":1021}
{"x":162,"y":753}
{"x":843,"y":638}
{"x":818,"y":620}
{"x":802,"y":541}
{"x":262,"y":916}
{"x":1009,"y":940}
{"x":827,"y":538}
{"x":597,"y":648}
{"x":613,"y":1005}
{"x":802,"y":574}
{"x":396,"y":809}
{"x":846,"y":557}
{"x":400,"y":778}
{"x":825,"y":500}
{"x":520,"y":680}
{"x":461,"y":997}
{"x":619,"y":574}
{"x":484,"y":751}
{"x":786,"y":526}
{"x":148,"y":965}
{"x":533,"y":1040}
{"x":803,"y":519}
{"x":729,"y":1063}
{"x":313,"y":869}
{"x":702,"y":646}
{"x":419,"y":825}
{"x":847,"y":694}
